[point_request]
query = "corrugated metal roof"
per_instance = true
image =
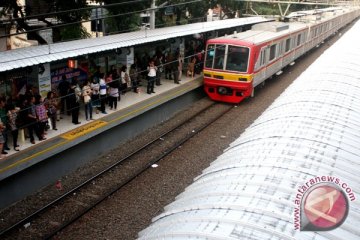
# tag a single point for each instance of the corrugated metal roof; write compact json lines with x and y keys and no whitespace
{"x":264,"y":32}
{"x":46,"y":53}
{"x":311,"y":130}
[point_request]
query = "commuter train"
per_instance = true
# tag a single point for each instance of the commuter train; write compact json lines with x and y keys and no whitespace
{"x":293,"y":174}
{"x":236,"y":64}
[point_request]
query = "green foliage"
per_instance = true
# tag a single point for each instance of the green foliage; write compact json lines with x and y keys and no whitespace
{"x":73,"y":32}
{"x":62,"y":5}
{"x":124,"y":17}
{"x":273,"y":8}
{"x":266,"y":9}
{"x":122,"y":23}
{"x":198,"y":10}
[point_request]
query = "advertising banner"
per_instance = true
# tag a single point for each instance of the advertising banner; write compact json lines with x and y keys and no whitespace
{"x":44,"y":79}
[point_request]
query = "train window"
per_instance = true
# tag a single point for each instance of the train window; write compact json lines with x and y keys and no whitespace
{"x":237,"y":59}
{"x":287,"y":45}
{"x":298,"y":40}
{"x":272,"y":52}
{"x":281,"y":48}
{"x":219,"y":57}
{"x":263,"y":59}
{"x":210,"y":52}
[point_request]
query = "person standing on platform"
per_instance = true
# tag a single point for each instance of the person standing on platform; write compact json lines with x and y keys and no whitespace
{"x":86,"y":92}
{"x":31,"y":119}
{"x":134,"y":78}
{"x":191,"y":68}
{"x":102,"y":93}
{"x":125,"y":80}
{"x":64,"y":87}
{"x":2,"y":129}
{"x":22,"y":116}
{"x":180,"y":65}
{"x":151,"y":77}
{"x":41,"y":115}
{"x":14,"y":125}
{"x":144,"y":64}
{"x":4,"y":120}
{"x":74,"y":100}
{"x":160,"y":67}
{"x":116,"y":77}
{"x":168,"y":65}
{"x":113,"y":93}
{"x":51,"y":106}
{"x":95,"y":87}
{"x":175,"y":70}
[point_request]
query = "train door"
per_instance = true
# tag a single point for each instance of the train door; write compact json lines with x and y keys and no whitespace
{"x":260,"y":67}
{"x":281,"y":52}
{"x":275,"y":61}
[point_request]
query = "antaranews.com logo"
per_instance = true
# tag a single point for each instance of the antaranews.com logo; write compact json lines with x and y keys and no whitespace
{"x":322,"y":204}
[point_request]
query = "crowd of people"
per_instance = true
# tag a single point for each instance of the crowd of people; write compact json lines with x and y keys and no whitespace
{"x":34,"y":114}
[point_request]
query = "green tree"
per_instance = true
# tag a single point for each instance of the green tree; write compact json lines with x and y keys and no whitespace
{"x":198,"y":10}
{"x":229,"y":8}
{"x":124,"y":17}
{"x":72,"y":30}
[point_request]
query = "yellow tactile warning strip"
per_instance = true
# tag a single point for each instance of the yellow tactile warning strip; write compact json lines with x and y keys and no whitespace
{"x":87,"y":128}
{"x":97,"y":124}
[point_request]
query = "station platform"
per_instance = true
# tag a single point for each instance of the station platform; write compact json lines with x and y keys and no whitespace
{"x":69,"y":135}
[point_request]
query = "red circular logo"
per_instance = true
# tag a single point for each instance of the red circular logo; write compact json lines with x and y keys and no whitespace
{"x":325,"y":207}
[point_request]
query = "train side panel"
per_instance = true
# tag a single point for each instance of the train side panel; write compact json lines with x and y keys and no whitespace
{"x":269,"y":57}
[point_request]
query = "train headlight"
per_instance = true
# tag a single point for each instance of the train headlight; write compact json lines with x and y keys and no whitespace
{"x":243,"y":79}
{"x":222,"y":90}
{"x":225,"y":91}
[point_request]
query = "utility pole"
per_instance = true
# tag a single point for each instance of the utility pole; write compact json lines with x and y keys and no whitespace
{"x":153,"y":9}
{"x":102,"y":19}
{"x":152,"y":15}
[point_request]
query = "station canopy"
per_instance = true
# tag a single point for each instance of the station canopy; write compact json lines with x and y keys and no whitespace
{"x":35,"y":55}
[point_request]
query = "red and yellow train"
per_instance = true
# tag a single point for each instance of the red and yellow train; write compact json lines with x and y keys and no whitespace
{"x":235,"y":64}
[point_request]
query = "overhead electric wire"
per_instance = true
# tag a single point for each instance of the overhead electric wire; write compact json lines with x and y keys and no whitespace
{"x":94,"y":19}
{"x":77,"y":9}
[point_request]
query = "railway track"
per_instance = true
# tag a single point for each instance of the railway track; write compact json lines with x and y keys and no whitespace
{"x":47,"y":221}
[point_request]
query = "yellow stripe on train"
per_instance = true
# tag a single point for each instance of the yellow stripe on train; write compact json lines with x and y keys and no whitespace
{"x":228,"y":76}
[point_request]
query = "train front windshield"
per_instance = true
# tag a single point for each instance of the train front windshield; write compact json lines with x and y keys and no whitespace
{"x":227,"y":57}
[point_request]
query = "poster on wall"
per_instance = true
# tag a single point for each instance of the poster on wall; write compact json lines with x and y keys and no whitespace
{"x":56,"y":75}
{"x":44,"y":79}
{"x":126,"y":57}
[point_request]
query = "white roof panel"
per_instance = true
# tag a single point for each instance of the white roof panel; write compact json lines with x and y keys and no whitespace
{"x":22,"y":57}
{"x":311,"y":130}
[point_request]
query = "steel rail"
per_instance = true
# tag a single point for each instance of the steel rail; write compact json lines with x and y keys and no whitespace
{"x":33,"y":215}
{"x":139,"y":172}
